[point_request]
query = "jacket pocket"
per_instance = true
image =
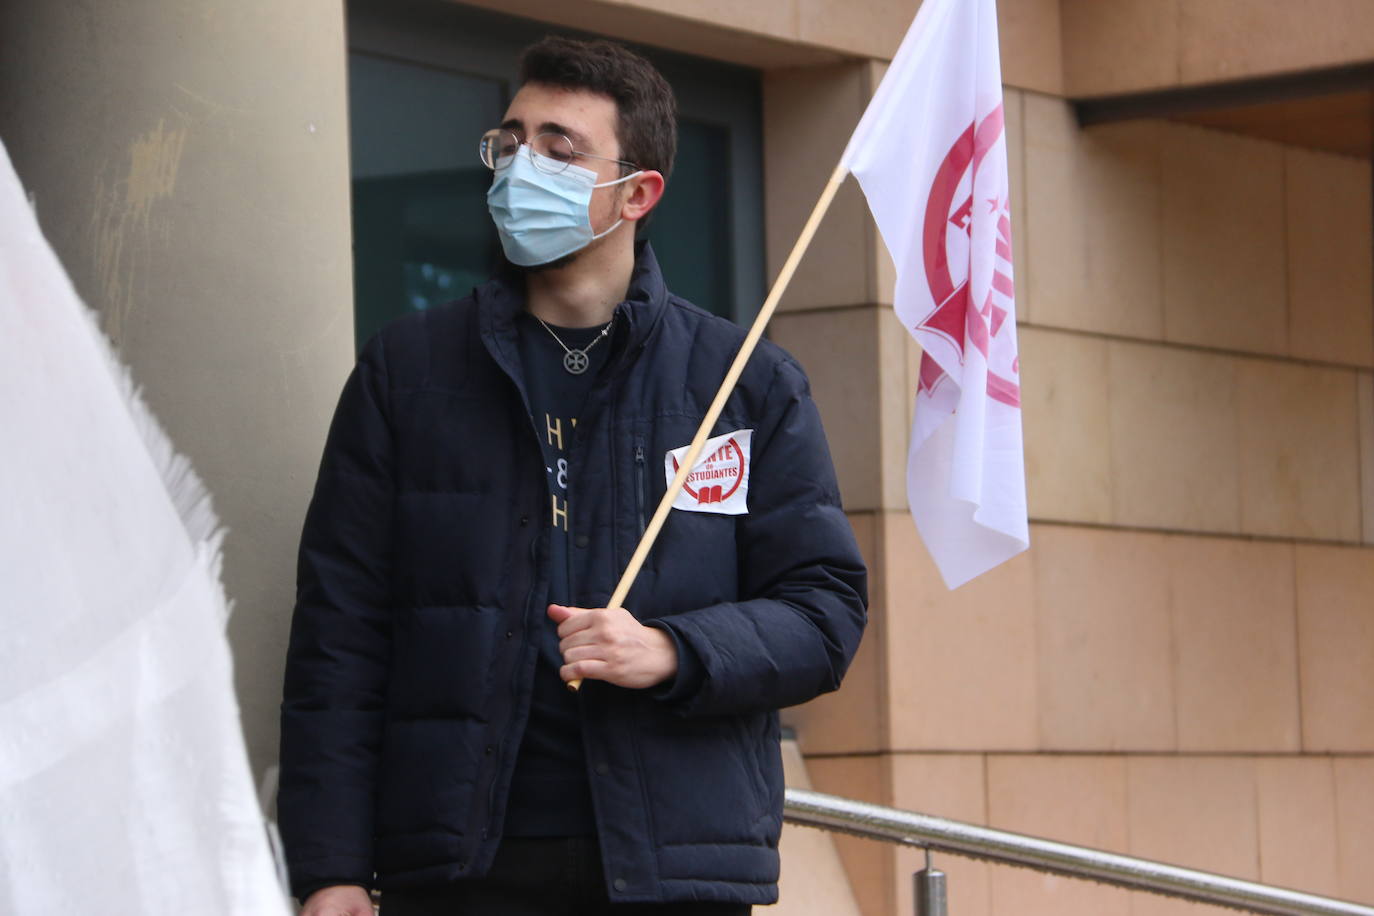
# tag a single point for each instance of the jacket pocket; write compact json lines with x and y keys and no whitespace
{"x":701,"y":777}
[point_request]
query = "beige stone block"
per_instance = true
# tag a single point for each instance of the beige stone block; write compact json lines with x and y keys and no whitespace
{"x":951,"y":786}
{"x":1093,"y":217}
{"x":884,"y":270}
{"x":897,"y":395}
{"x":1096,"y":39}
{"x":1230,"y":39}
{"x":882,"y":276}
{"x":884,"y":266}
{"x":1029,"y":892}
{"x":1032,"y":54}
{"x":1297,"y":824}
{"x":1066,"y":416}
{"x":1299,"y":450}
{"x":872,"y":29}
{"x":1365,"y":403}
{"x":1103,"y":640}
{"x":1014,"y":105}
{"x":1077,"y":799}
{"x":1143,"y":904}
{"x":1335,"y":588}
{"x":654,"y":23}
{"x":853,"y":719}
{"x":808,"y":115}
{"x":942,"y":785}
{"x":1195,"y":811}
{"x":776,"y":18}
{"x":839,"y":350}
{"x":867,"y":529}
{"x":1236,"y":664}
{"x":1173,"y":438}
{"x":1355,"y":826}
{"x":870,"y":865}
{"x":960,"y":673}
{"x":1330,"y":271}
{"x":1224,"y":241}
{"x":913,"y":376}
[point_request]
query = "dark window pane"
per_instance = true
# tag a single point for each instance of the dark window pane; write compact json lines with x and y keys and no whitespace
{"x":421,"y":234}
{"x":691,"y":227}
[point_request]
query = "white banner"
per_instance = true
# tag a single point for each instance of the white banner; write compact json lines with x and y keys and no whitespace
{"x":931,"y":156}
{"x":124,"y":783}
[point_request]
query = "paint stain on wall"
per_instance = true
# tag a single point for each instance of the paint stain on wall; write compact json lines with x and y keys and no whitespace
{"x":127,"y":224}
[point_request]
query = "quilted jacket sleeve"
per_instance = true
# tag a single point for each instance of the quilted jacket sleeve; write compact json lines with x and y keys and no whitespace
{"x":339,"y":651}
{"x":804,"y":581}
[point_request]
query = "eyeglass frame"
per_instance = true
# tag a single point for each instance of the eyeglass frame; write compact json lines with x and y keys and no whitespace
{"x":529,"y":145}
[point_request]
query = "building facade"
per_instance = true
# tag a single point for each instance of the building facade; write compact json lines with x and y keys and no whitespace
{"x":1181,"y":667}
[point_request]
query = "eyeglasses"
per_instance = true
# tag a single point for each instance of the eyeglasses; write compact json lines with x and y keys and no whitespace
{"x":550,"y":153}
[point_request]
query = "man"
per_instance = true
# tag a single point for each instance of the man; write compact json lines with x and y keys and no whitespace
{"x":490,"y":469}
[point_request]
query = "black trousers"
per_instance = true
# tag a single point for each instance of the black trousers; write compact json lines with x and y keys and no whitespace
{"x":559,"y":876}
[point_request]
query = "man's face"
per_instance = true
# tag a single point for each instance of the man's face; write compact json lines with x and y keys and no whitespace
{"x":588,"y":119}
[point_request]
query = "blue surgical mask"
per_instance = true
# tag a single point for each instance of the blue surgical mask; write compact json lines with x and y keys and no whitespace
{"x":542,"y":217}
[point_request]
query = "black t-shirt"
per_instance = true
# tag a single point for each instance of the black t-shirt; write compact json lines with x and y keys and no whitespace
{"x":550,"y":795}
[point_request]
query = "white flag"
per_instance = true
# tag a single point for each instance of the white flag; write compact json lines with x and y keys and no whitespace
{"x":931,"y":156}
{"x":124,"y":783}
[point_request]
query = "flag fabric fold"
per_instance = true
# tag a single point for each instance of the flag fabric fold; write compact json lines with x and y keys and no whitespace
{"x":930,"y":154}
{"x":124,"y":782}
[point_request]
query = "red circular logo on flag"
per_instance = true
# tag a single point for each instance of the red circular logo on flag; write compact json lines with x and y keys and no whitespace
{"x":948,"y":224}
{"x":947,"y":240}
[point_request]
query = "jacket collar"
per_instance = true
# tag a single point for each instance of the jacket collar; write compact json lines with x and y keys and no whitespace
{"x":503,"y":297}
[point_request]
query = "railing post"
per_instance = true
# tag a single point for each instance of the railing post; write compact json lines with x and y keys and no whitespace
{"x":929,"y":886}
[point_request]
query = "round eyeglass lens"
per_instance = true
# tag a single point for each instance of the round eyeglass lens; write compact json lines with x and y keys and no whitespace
{"x":497,"y":148}
{"x":553,"y":153}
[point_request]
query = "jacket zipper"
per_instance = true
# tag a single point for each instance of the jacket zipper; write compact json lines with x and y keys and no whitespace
{"x":639,"y":485}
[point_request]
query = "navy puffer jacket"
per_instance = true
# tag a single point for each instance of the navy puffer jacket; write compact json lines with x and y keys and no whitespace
{"x":422,"y":574}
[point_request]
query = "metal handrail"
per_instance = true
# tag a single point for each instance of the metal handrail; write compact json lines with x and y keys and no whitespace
{"x":831,"y":812}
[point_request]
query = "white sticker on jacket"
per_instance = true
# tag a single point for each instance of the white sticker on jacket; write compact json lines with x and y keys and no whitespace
{"x":720,"y":481}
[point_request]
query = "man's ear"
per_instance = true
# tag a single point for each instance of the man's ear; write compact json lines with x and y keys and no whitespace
{"x":645,"y":191}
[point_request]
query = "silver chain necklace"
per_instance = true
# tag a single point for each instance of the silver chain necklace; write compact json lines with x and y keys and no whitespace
{"x":575,"y":360}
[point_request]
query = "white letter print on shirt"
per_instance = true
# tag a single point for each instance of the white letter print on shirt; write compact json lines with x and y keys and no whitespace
{"x":558,"y":500}
{"x":720,"y":481}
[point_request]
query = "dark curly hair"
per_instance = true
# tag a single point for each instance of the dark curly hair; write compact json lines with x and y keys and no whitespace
{"x":646,"y":126}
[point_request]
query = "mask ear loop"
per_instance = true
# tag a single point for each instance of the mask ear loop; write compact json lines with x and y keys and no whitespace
{"x":607,"y":184}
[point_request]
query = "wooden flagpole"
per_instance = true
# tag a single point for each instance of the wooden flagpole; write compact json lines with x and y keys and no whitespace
{"x":751,"y":340}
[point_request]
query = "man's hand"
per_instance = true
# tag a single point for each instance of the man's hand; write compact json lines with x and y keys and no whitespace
{"x":608,"y":644}
{"x":338,"y":900}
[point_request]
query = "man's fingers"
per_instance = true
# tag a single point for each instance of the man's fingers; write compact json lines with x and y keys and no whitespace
{"x":583,"y":653}
{"x":592,"y":668}
{"x":570,"y":619}
{"x":587,"y":636}
{"x":561,"y":612}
